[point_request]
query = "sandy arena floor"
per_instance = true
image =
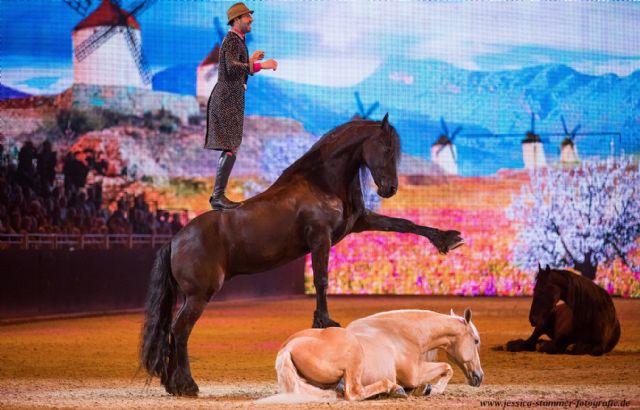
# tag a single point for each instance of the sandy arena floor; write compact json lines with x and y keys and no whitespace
{"x":92,"y":362}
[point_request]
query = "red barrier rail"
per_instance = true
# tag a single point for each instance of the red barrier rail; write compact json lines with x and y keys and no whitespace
{"x":84,"y":241}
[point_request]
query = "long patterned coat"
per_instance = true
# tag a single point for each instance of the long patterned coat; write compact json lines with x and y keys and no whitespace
{"x":225,"y":109}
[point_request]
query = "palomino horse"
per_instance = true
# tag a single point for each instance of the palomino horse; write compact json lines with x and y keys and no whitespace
{"x":578,"y":316}
{"x":313,"y":205}
{"x":383,"y":353}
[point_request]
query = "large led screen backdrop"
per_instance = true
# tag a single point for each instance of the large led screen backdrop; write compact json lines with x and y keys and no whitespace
{"x":519,"y":121}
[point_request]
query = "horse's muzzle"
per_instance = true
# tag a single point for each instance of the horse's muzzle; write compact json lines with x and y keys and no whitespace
{"x":388,"y":191}
{"x":476,"y":379}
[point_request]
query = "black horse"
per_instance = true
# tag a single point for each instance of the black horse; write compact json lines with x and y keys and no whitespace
{"x":314,"y":204}
{"x":584,"y":322}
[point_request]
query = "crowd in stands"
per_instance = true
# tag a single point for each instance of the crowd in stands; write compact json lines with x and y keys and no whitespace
{"x":34,"y":198}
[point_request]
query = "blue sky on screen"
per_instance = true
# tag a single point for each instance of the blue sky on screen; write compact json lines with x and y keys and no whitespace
{"x":340,"y":44}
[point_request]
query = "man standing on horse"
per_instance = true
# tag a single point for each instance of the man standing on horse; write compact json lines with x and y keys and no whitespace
{"x":225,"y":109}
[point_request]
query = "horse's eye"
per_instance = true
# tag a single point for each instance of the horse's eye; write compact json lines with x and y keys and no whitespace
{"x":477,"y":341}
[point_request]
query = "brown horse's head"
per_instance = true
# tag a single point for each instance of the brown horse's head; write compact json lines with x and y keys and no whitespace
{"x":545,"y":296}
{"x":464,"y":351}
{"x":381,"y":153}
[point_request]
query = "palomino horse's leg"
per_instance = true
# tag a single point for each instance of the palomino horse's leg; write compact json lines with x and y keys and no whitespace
{"x":354,"y":390}
{"x":444,"y":241}
{"x":319,"y":241}
{"x":427,"y":372}
{"x":181,"y":382}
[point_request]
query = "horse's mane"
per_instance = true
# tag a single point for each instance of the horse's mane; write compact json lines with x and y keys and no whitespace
{"x":336,"y":141}
{"x":588,"y":300}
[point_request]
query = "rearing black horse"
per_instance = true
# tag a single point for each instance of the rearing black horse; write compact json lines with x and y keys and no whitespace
{"x":314,"y":204}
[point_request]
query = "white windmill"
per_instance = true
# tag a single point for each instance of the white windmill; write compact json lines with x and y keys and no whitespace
{"x":532,"y":148}
{"x":568,"y":149}
{"x":443,"y":152}
{"x":207,"y":73}
{"x":107,"y":45}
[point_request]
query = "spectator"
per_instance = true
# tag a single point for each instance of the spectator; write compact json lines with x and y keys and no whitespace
{"x":176,"y":224}
{"x":26,"y":170}
{"x":46,"y":167}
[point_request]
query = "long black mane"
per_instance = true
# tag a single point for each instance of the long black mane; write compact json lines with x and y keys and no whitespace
{"x":589,"y":300}
{"x":343,"y":137}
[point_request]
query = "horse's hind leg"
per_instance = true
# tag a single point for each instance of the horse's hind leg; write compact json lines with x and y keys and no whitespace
{"x":180,"y":381}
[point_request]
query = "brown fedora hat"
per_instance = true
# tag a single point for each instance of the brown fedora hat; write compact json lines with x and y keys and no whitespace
{"x":237,"y":10}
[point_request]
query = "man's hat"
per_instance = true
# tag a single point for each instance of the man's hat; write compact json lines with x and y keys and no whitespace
{"x":237,"y":10}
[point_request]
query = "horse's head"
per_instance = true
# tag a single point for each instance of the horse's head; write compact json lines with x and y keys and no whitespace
{"x":545,"y":296}
{"x":464,"y":350}
{"x":381,"y":153}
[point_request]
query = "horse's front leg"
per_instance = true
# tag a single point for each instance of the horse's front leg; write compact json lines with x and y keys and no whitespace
{"x":444,"y":241}
{"x":319,"y":241}
{"x":424,"y":376}
{"x":529,"y":345}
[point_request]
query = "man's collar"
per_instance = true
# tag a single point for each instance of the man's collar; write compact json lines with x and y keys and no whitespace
{"x":241,"y":35}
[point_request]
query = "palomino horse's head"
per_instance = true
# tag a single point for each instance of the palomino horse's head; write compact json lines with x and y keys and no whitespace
{"x":545,"y":296}
{"x":381,"y":153}
{"x":464,"y":350}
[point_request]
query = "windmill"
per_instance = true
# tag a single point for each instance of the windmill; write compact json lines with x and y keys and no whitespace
{"x":568,"y":149}
{"x":107,"y":44}
{"x":207,"y":71}
{"x":361,"y":114}
{"x":443,"y":152}
{"x":532,"y":148}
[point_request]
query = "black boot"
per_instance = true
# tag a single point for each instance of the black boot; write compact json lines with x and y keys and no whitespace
{"x":218,"y":200}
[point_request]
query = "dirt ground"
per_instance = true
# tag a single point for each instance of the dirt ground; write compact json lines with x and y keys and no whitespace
{"x":92,"y":362}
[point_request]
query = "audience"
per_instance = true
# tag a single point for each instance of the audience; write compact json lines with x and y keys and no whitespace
{"x":31,"y":202}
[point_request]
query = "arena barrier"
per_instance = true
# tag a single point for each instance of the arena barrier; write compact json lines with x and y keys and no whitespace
{"x":45,"y":282}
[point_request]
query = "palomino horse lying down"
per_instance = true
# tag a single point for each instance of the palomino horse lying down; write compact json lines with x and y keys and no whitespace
{"x":383,"y":353}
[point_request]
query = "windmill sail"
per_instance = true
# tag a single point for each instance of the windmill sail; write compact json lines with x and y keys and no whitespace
{"x":80,"y":6}
{"x":124,"y":20}
{"x":138,"y":57}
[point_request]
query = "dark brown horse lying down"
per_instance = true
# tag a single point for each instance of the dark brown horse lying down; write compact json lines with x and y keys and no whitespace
{"x":313,"y":205}
{"x":584,"y":322}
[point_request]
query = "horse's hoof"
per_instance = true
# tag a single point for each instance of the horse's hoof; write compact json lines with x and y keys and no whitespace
{"x":422,"y":390}
{"x":427,"y":390}
{"x":325,"y":324}
{"x":340,"y":387}
{"x":322,"y":322}
{"x":548,"y":348}
{"x":515,"y":345}
{"x":519,"y":345}
{"x":182,"y":387}
{"x":398,"y":393}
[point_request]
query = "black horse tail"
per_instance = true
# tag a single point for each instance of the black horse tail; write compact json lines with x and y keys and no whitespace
{"x":157,"y":345}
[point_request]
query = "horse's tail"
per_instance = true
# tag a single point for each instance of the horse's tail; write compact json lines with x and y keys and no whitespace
{"x":293,"y":388}
{"x":156,"y":348}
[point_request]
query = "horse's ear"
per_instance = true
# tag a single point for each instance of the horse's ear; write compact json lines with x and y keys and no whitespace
{"x":385,"y":122}
{"x":451,"y":313}
{"x":539,"y":267}
{"x":467,"y":315}
{"x":547,"y":269}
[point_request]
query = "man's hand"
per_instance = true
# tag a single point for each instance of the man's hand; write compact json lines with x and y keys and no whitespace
{"x":257,"y":56}
{"x":270,"y":64}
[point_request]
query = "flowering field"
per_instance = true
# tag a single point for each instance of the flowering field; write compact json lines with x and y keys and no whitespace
{"x":388,"y":263}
